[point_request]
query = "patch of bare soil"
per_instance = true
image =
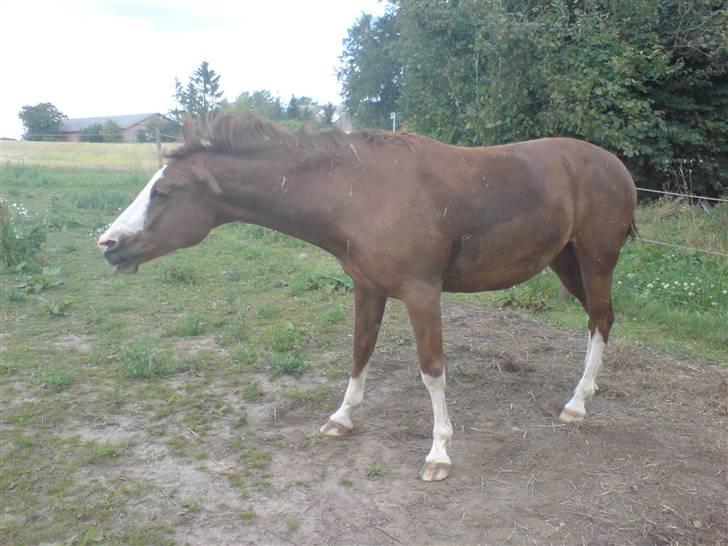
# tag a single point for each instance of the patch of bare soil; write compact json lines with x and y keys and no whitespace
{"x":648,"y":466}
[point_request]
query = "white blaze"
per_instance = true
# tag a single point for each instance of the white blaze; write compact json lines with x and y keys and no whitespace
{"x":132,"y":219}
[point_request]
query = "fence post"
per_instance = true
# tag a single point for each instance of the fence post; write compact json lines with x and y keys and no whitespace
{"x":158,"y":138}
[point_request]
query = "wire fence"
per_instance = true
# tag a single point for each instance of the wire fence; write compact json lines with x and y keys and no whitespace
{"x":689,"y":196}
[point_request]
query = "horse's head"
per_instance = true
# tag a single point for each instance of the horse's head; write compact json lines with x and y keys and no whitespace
{"x":176,"y":209}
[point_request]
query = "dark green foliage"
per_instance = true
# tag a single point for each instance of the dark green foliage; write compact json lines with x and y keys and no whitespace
{"x":201,"y":97}
{"x":262,"y":101}
{"x":168,"y":131}
{"x":370,"y":72}
{"x":42,"y":121}
{"x":644,"y":79}
{"x":109,"y":131}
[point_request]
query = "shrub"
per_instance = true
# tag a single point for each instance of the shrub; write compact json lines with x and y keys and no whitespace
{"x":17,"y":247}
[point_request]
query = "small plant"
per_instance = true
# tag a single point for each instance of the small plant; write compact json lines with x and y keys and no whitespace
{"x":292,"y":525}
{"x":251,"y":391}
{"x":241,"y":419}
{"x":248,"y":516}
{"x":176,"y":274}
{"x":140,"y":360}
{"x":99,"y":453}
{"x":284,"y":339}
{"x":16,"y":296}
{"x":59,"y":379}
{"x":287,"y":363}
{"x":333,"y":314}
{"x":245,"y":356}
{"x":52,"y":307}
{"x":375,"y":471}
{"x":35,"y":283}
{"x":190,"y":326}
{"x":17,"y":247}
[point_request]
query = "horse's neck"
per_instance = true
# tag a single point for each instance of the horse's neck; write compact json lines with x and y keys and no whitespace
{"x":301,"y":203}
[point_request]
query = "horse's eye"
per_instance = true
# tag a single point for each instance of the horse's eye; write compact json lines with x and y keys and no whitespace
{"x":156,"y":194}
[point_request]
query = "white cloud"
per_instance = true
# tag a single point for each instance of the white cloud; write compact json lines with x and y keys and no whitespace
{"x":97,"y":58}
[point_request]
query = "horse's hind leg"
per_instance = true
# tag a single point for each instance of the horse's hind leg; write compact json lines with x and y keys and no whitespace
{"x":596,"y":275}
{"x":368,"y":310}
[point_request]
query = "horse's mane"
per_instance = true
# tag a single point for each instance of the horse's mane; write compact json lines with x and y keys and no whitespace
{"x":243,"y":134}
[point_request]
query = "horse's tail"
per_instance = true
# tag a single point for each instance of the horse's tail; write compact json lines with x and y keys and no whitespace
{"x":632,"y":232}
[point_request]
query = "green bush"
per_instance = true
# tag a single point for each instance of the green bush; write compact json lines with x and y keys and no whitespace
{"x":17,"y":247}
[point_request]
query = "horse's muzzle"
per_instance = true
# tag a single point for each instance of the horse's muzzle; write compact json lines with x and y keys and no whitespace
{"x":117,"y":254}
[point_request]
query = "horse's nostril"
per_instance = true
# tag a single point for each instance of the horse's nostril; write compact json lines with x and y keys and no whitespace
{"x":107,"y":244}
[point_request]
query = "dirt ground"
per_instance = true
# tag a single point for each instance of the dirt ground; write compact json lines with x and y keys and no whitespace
{"x":648,"y":466}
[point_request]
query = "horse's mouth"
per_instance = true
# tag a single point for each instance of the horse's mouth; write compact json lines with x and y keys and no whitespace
{"x":128,"y":269}
{"x":121,"y":264}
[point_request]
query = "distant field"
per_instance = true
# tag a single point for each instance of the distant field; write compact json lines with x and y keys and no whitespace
{"x":80,"y":154}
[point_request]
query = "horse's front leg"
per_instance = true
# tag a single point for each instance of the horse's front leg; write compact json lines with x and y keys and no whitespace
{"x":368,"y":310}
{"x":423,"y":306}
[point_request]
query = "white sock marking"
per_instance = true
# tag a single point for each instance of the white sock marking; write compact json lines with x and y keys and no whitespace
{"x":442,"y":429}
{"x":352,"y":399}
{"x":132,"y":219}
{"x":587,"y":385}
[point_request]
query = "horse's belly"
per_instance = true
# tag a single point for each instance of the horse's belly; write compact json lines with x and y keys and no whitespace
{"x":494,"y":262}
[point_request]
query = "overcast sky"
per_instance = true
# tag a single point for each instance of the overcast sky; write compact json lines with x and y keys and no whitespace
{"x":110,"y":57}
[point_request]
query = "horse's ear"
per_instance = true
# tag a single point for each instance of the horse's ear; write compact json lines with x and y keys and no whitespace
{"x":189,"y":131}
{"x":204,"y":175}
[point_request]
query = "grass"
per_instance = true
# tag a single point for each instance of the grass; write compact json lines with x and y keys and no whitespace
{"x":189,"y":352}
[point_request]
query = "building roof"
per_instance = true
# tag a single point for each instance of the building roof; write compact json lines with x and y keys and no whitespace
{"x":76,"y":124}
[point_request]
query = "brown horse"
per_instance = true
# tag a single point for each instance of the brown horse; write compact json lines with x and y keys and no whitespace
{"x":408,"y":218}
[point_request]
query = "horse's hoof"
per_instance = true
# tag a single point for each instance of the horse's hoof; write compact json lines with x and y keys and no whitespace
{"x":571,"y":416}
{"x":435,"y":472}
{"x":332,"y":428}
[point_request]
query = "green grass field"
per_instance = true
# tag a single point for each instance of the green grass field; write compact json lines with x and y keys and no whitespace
{"x":247,"y":309}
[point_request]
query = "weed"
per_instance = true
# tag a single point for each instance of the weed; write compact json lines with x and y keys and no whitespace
{"x":178,"y":274}
{"x":333,"y":314}
{"x":68,"y":248}
{"x":190,"y":326}
{"x":248,"y":516}
{"x":375,"y":471}
{"x":286,"y":363}
{"x":321,"y":277}
{"x":15,"y":296}
{"x":53,"y":308}
{"x":292,"y":525}
{"x":140,"y":360}
{"x":59,"y":379}
{"x":269,"y":311}
{"x":36,"y":283}
{"x":346,"y":482}
{"x":245,"y":356}
{"x":17,"y":247}
{"x":96,"y":453}
{"x":251,"y":391}
{"x":284,"y":339}
{"x":241,"y":419}
{"x":192,"y":505}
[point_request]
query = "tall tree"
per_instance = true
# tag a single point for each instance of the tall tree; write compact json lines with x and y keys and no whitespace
{"x":261,"y":101}
{"x":201,"y":97}
{"x":647,"y":80}
{"x":370,"y":71}
{"x":42,"y":121}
